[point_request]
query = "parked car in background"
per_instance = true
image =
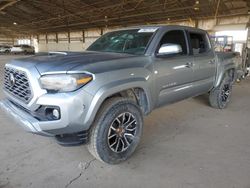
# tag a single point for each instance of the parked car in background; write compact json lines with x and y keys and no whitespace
{"x":26,"y":49}
{"x":5,"y":49}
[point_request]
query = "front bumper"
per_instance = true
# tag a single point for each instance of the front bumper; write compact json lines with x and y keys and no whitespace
{"x":73,"y":108}
{"x":29,"y":123}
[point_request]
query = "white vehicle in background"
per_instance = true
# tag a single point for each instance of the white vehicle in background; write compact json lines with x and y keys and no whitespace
{"x":5,"y":49}
{"x":26,"y":49}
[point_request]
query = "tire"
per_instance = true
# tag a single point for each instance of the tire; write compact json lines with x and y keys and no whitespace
{"x":220,"y":97}
{"x":246,"y":74}
{"x":105,"y":131}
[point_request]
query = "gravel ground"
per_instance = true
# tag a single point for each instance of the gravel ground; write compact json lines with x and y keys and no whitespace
{"x":185,"y":145}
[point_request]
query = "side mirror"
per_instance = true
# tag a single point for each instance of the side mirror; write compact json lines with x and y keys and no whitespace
{"x":167,"y":49}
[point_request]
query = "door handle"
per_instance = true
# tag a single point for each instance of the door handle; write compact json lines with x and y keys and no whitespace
{"x":189,"y":64}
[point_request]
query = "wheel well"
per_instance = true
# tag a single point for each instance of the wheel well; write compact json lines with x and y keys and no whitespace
{"x":138,"y":95}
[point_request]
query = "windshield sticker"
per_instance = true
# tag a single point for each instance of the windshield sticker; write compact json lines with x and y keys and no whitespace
{"x":147,"y":30}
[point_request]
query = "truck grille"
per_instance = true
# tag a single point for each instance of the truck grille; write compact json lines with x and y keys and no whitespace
{"x":17,"y":84}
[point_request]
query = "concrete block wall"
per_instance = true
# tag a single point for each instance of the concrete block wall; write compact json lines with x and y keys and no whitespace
{"x":78,"y":40}
{"x":234,"y":23}
{"x":61,"y":42}
{"x":6,"y":40}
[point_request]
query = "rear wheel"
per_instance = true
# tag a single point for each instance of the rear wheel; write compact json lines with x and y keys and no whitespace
{"x":220,"y":96}
{"x":116,"y":131}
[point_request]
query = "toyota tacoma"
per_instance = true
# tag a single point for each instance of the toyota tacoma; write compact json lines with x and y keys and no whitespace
{"x":99,"y":97}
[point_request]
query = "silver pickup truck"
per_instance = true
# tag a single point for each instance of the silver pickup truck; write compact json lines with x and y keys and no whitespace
{"x":99,"y":97}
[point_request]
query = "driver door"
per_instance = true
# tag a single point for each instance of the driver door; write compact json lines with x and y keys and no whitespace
{"x":174,"y":72}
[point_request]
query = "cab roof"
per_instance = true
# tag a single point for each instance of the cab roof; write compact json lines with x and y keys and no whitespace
{"x":161,"y":27}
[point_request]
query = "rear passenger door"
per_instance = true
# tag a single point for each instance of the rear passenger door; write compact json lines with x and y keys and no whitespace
{"x":204,"y":61}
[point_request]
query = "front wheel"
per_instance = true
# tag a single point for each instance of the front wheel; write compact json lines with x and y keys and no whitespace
{"x":116,"y":131}
{"x":220,"y":97}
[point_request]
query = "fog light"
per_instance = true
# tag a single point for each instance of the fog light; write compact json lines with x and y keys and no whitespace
{"x":52,"y":113}
{"x":56,"y":113}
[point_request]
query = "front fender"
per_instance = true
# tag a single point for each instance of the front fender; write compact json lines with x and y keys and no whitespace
{"x":114,"y":87}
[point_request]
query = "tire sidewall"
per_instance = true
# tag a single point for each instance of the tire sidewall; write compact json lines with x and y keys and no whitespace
{"x":104,"y":123}
{"x":225,"y":81}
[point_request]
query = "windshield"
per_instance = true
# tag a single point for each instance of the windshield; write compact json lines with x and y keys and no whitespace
{"x":126,"y":41}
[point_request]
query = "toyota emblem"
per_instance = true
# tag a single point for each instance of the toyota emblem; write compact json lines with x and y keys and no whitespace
{"x":12,"y":79}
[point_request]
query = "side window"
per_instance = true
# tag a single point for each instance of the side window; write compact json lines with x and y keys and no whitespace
{"x":175,"y":37}
{"x":199,"y":43}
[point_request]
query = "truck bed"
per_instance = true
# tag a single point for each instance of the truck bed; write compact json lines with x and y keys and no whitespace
{"x":226,"y":55}
{"x":232,"y":57}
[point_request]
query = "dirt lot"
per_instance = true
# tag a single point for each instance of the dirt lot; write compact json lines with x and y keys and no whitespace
{"x":185,"y":145}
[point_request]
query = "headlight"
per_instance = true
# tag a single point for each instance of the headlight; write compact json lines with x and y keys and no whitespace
{"x":64,"y":82}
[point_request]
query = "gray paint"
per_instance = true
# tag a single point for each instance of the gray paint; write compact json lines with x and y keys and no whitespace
{"x":164,"y":80}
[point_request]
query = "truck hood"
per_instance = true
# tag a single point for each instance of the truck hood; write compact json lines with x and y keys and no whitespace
{"x":70,"y":61}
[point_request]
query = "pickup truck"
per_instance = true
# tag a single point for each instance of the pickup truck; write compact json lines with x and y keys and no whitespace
{"x":99,"y":97}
